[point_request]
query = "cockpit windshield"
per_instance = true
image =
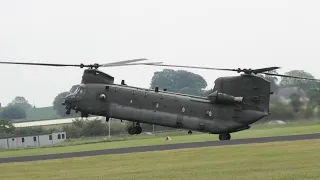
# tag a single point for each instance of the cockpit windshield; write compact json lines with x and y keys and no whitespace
{"x":79,"y":91}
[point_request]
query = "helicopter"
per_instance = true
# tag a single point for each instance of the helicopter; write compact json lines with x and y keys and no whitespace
{"x":234,"y":105}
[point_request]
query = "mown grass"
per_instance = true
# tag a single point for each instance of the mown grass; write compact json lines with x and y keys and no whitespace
{"x":140,"y":141}
{"x":282,"y":160}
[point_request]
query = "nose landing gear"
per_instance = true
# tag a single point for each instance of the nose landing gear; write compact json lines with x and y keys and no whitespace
{"x":135,"y":129}
{"x":68,"y":111}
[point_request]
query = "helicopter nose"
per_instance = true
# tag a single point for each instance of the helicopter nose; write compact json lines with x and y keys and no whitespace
{"x":68,"y":100}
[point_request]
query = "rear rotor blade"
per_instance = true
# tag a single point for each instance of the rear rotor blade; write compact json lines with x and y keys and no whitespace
{"x":248,"y":71}
{"x":288,"y":76}
{"x":196,"y":67}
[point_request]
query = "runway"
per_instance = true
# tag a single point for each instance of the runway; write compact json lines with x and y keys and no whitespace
{"x":161,"y":148}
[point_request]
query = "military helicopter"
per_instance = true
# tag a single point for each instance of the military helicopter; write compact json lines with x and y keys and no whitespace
{"x":235,"y":104}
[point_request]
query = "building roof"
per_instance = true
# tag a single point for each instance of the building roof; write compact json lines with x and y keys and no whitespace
{"x":50,"y":122}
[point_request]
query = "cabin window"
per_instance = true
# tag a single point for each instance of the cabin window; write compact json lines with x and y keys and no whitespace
{"x":50,"y":137}
{"x":255,"y":98}
{"x":34,"y":138}
{"x":107,"y":88}
{"x":59,"y":136}
{"x":22,"y":140}
{"x":62,"y":136}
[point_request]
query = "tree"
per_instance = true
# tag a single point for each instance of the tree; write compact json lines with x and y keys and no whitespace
{"x":178,"y":81}
{"x":95,"y":128}
{"x":272,"y":79}
{"x":61,"y":109}
{"x":314,"y":97}
{"x":281,"y":111}
{"x":6,"y":127}
{"x":21,"y":102}
{"x":13,"y":112}
{"x":301,"y":83}
{"x":295,"y":102}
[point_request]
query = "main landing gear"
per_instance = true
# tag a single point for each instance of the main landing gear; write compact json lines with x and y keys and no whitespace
{"x":135,"y":129}
{"x":224,"y":136}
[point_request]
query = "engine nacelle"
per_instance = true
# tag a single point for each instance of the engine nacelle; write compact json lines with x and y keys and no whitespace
{"x":221,"y":98}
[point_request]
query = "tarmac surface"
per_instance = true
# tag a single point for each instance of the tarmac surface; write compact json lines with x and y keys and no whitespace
{"x":160,"y":148}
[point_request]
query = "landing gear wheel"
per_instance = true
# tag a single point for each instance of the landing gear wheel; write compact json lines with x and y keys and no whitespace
{"x":68,"y":111}
{"x":138,"y":130}
{"x":189,"y":132}
{"x":84,"y":114}
{"x":224,"y":136}
{"x":132,"y":130}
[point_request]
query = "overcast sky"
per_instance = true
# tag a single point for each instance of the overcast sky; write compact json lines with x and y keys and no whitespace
{"x":212,"y":33}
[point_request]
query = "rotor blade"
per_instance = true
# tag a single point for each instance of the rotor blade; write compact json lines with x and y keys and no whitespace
{"x":40,"y":64}
{"x":196,"y":67}
{"x":151,"y":63}
{"x":236,"y":70}
{"x":123,"y":62}
{"x":288,"y":76}
{"x":261,"y":70}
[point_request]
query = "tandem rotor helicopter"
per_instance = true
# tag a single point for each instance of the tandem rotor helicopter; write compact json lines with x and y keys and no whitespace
{"x":235,"y":104}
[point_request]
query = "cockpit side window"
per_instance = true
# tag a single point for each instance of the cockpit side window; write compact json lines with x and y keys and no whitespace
{"x":77,"y":90}
{"x":80,"y":91}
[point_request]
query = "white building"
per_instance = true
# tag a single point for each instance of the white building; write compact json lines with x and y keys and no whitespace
{"x":32,"y":141}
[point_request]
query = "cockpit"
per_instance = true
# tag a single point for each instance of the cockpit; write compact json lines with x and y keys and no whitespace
{"x":80,"y":91}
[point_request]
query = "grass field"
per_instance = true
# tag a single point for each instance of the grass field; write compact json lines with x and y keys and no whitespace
{"x":262,"y":131}
{"x":271,"y":161}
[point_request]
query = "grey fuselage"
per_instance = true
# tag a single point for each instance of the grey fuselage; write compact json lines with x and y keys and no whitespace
{"x":163,"y":108}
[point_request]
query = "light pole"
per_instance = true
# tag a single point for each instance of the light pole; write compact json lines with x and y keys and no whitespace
{"x":109,"y":127}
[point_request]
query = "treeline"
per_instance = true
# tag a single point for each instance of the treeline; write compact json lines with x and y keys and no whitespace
{"x":15,"y":109}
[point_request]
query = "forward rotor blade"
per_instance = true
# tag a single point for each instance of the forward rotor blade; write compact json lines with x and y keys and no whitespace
{"x":261,"y":70}
{"x":40,"y":64}
{"x":123,"y":62}
{"x":77,"y":65}
{"x":129,"y":64}
{"x":288,"y":76}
